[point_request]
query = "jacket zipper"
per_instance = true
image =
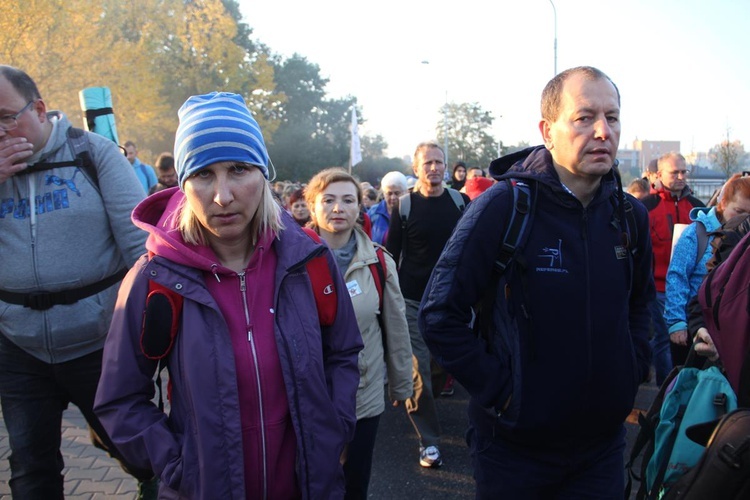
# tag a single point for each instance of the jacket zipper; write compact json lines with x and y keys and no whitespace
{"x":251,"y":340}
{"x":589,"y":361}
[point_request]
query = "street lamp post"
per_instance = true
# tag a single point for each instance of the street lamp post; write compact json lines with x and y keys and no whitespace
{"x":554,"y":11}
{"x":445,"y":130}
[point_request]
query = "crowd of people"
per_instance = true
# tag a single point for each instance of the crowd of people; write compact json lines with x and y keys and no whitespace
{"x":289,"y":313}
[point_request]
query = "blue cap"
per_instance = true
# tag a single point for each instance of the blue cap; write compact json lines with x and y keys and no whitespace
{"x":217,"y":127}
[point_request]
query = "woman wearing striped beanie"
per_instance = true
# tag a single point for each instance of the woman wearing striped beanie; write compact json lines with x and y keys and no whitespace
{"x":262,"y":395}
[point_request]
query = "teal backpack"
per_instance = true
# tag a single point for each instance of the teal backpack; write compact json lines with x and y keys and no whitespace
{"x":694,"y":396}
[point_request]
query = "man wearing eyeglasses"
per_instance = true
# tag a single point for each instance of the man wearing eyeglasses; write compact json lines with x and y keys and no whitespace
{"x":66,"y":241}
{"x":669,"y":205}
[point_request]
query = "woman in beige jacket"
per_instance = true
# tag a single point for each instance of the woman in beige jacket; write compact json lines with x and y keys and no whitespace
{"x":334,"y":198}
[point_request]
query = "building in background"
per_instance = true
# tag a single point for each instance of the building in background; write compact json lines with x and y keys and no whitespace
{"x":650,"y":150}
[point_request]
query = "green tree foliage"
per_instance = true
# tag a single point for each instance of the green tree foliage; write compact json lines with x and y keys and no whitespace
{"x":728,"y":156}
{"x":314,"y":131}
{"x":152,"y":54}
{"x":70,"y":45}
{"x":468,"y":137}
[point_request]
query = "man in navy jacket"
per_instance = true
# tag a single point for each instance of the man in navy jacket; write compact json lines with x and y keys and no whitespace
{"x":553,"y":383}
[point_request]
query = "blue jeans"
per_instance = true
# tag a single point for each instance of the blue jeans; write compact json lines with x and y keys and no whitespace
{"x":587,"y":471}
{"x":34,"y":395}
{"x":662,"y":355}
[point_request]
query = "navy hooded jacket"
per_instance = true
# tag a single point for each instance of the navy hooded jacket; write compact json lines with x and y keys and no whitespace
{"x":570,"y":344}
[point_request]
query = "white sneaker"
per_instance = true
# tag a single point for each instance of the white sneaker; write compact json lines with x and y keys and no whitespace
{"x":430,"y":457}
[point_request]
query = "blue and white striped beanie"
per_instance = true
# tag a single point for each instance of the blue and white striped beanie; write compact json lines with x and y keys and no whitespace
{"x":217,"y":127}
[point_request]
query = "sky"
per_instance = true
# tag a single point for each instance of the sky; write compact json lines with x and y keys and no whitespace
{"x":681,"y":65}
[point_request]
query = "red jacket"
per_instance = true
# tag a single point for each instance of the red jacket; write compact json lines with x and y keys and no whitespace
{"x":664,"y":211}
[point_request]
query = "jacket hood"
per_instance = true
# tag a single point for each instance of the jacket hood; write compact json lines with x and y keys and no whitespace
{"x":666,"y":194}
{"x":157,"y":216}
{"x":707,"y":216}
{"x":697,"y":213}
{"x":535,"y":163}
{"x":58,"y":137}
{"x":526,"y":160}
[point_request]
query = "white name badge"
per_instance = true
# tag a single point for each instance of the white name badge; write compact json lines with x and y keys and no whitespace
{"x":353,"y":288}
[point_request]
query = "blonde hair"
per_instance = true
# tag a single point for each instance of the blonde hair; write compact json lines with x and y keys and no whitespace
{"x":322,"y":180}
{"x":267,"y":216}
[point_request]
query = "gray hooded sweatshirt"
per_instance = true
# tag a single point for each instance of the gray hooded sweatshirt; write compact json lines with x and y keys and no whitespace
{"x":58,"y":233}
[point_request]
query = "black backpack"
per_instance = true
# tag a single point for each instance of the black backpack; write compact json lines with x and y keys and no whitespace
{"x":79,"y":145}
{"x":723,"y":471}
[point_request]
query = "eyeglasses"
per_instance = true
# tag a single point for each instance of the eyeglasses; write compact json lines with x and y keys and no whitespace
{"x":9,"y":122}
{"x":675,"y":173}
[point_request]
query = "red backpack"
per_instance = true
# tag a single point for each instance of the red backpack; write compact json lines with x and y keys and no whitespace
{"x":164,"y":305}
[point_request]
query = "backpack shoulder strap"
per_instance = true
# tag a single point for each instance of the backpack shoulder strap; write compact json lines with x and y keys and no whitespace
{"x":632,"y":225}
{"x":522,"y":207}
{"x":326,"y":298}
{"x":379,"y":276}
{"x":378,"y":270}
{"x":404,"y":207}
{"x":457,"y":199}
{"x":702,"y":235}
{"x":524,"y":197}
{"x":79,"y":144}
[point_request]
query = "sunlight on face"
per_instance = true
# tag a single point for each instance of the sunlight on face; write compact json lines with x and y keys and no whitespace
{"x":225,"y":197}
{"x":584,"y":138}
{"x":430,"y":166}
{"x":336,"y":207}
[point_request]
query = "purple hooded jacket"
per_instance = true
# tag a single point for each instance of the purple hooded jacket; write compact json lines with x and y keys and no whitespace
{"x":196,"y":450}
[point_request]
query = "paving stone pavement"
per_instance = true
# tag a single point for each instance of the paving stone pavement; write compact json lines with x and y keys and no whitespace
{"x":90,"y":474}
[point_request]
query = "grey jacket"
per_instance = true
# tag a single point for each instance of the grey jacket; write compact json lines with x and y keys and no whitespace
{"x":58,"y":233}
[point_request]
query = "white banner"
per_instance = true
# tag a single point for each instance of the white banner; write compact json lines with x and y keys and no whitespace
{"x":355,"y":153}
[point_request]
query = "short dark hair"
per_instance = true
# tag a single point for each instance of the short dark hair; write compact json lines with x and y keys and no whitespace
{"x":21,"y":81}
{"x":553,"y":90}
{"x":165,"y":162}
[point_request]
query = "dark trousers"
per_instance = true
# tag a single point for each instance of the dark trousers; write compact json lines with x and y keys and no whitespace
{"x":660,"y":344}
{"x":34,"y":395}
{"x":591,"y":471}
{"x":358,"y":463}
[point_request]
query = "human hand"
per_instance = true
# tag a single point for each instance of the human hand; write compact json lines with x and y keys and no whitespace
{"x":13,"y":153}
{"x":704,"y":345}
{"x":679,"y":337}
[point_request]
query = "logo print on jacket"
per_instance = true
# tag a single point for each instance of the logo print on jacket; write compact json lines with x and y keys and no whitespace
{"x":553,"y":258}
{"x":57,"y":199}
